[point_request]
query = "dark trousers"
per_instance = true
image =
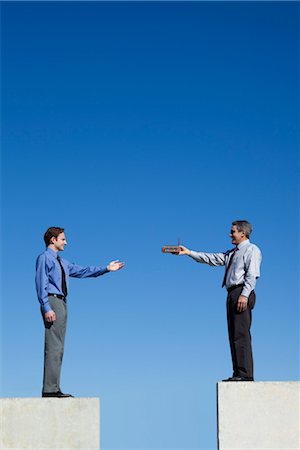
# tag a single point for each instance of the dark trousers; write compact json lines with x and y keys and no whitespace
{"x":239,"y":324}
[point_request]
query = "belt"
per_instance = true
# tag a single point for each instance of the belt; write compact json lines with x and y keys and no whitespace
{"x":231,"y":288}
{"x":62,"y":297}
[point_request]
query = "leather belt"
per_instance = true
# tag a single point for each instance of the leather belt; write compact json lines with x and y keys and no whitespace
{"x":62,"y":297}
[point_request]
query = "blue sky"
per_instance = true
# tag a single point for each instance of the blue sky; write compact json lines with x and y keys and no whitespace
{"x":133,"y":124}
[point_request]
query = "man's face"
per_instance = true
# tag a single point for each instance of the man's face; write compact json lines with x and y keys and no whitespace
{"x":59,"y":242}
{"x":236,"y":236}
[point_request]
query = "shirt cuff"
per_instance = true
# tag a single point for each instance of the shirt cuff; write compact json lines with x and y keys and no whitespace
{"x":245,"y":292}
{"x":46,"y":307}
{"x":193,"y":254}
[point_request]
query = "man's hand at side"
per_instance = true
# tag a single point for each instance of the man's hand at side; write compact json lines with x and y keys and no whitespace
{"x":115,"y":265}
{"x":50,"y":316}
{"x":184,"y":250}
{"x":242,"y":303}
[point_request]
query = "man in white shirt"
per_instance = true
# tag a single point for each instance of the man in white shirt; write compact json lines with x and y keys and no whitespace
{"x":242,"y":270}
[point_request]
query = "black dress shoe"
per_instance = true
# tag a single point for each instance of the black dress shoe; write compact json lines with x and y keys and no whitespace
{"x":57,"y":394}
{"x":239,"y":379}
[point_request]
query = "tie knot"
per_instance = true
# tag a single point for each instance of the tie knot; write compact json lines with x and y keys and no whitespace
{"x":58,"y":257}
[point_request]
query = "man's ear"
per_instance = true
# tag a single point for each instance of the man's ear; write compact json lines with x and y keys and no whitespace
{"x":52,"y":240}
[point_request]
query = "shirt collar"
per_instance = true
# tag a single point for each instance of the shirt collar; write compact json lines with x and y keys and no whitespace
{"x":243,"y":244}
{"x":52,"y":252}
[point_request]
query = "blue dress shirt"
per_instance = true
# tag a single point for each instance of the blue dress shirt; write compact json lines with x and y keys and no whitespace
{"x":48,"y":279}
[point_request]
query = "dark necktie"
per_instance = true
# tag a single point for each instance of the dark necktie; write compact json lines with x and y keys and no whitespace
{"x":233,"y":252}
{"x":63,"y":278}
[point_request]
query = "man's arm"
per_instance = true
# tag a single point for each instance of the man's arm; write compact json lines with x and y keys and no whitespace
{"x":42,"y":283}
{"x":212,"y":259}
{"x":93,"y":271}
{"x":252,"y":272}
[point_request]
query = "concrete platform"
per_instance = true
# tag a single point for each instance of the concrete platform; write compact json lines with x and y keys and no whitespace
{"x":49,"y":424}
{"x":258,"y":415}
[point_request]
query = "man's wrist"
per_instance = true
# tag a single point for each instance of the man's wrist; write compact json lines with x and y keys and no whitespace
{"x":46,"y":308}
{"x":192,"y":254}
{"x":245,"y":291}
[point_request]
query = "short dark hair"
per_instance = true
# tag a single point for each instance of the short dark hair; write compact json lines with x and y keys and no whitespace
{"x":243,"y":225}
{"x":52,"y":232}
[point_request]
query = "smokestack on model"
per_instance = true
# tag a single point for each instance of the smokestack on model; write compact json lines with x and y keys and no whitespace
{"x":174,"y":249}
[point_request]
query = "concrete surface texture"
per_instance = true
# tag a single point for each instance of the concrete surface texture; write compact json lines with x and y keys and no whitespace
{"x":258,"y":415}
{"x":49,"y":424}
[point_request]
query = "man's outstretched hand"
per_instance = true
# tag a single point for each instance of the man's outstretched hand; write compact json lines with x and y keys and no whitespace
{"x":184,"y":250}
{"x":115,"y":265}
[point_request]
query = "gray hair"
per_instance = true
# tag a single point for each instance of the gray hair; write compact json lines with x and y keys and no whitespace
{"x":243,"y":225}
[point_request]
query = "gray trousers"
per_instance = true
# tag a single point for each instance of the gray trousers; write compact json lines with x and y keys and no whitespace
{"x":54,"y":345}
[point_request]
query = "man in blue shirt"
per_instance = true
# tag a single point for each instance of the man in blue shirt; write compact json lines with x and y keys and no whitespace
{"x":52,"y":280}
